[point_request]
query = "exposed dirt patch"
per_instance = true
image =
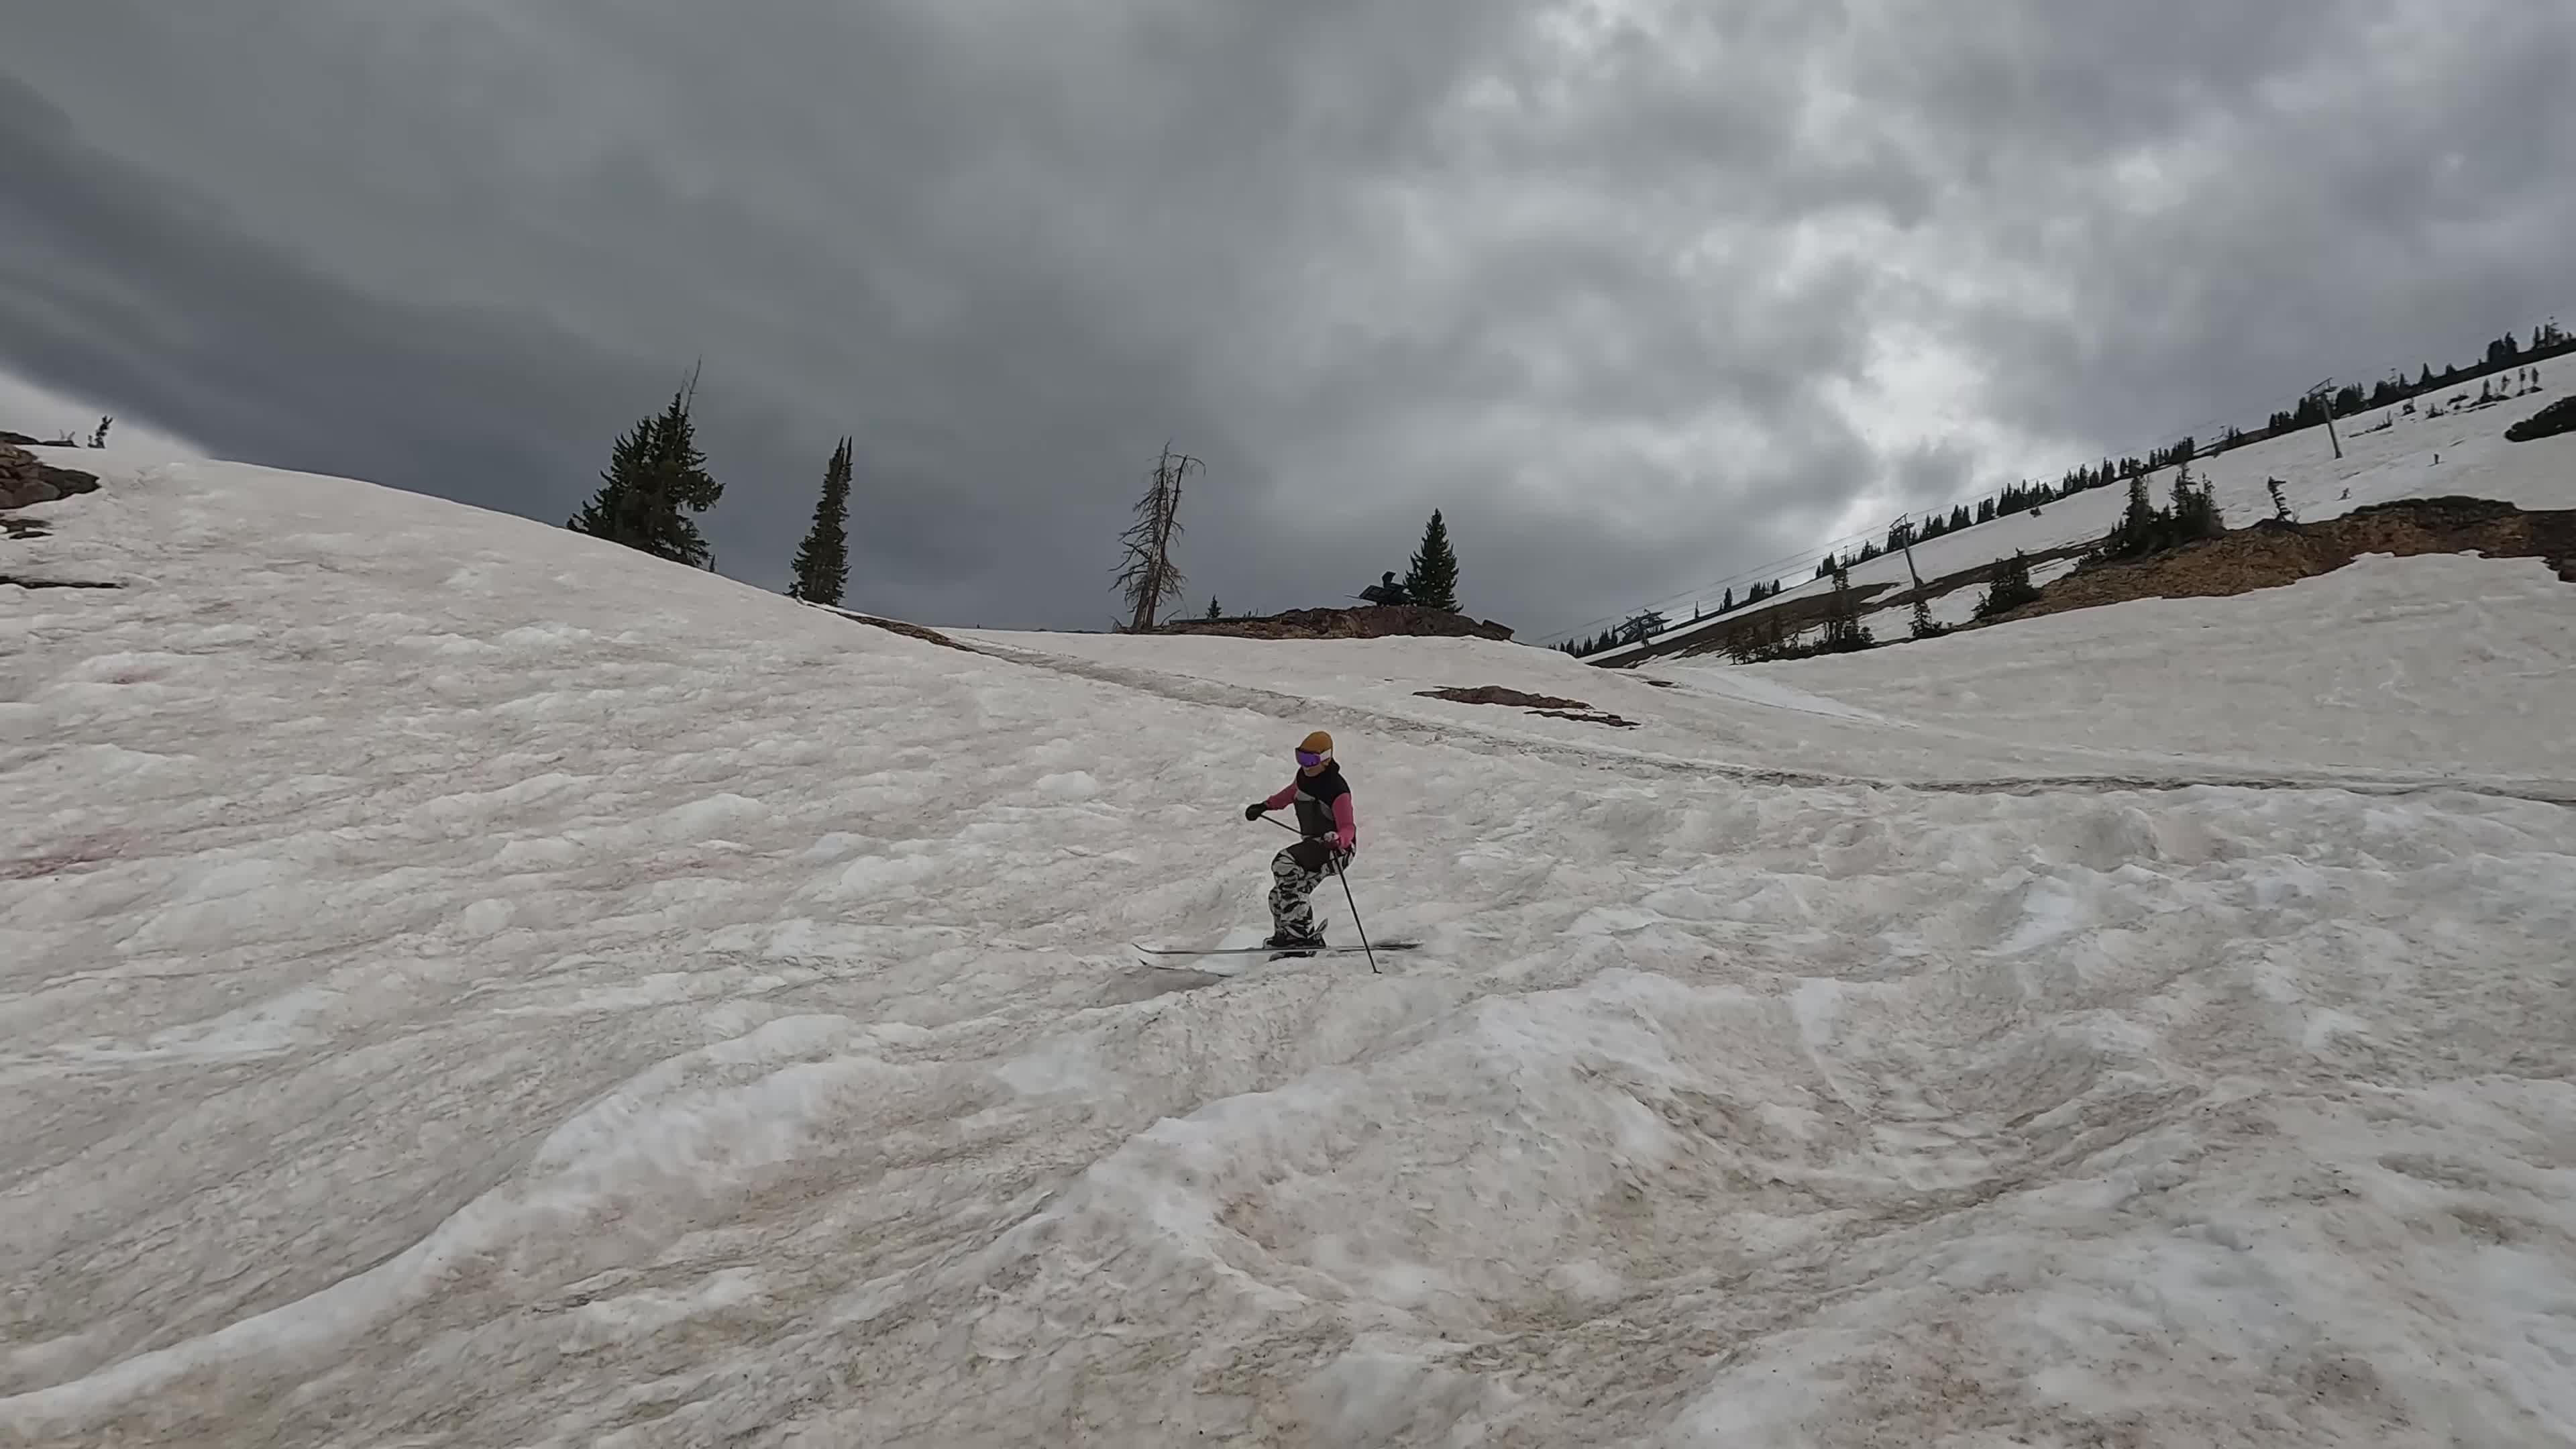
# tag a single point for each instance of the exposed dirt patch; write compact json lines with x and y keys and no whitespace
{"x":909,"y":631}
{"x":2271,"y":553}
{"x":1499,"y":694}
{"x":88,"y":853}
{"x":1546,"y":704}
{"x":57,"y":583}
{"x":1374,"y":621}
{"x":2549,"y":422}
{"x":1599,"y":717}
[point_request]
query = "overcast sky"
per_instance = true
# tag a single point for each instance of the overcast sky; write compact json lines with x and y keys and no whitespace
{"x":1641,"y":295}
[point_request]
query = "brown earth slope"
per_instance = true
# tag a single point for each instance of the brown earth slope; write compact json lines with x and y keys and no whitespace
{"x":2265,"y":555}
{"x":2270,"y":554}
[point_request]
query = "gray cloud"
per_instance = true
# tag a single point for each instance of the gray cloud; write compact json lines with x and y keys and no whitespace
{"x":1638,"y":297}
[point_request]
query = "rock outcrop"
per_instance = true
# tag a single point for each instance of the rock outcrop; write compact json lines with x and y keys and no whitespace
{"x":26,"y":478}
{"x":1370,"y":621}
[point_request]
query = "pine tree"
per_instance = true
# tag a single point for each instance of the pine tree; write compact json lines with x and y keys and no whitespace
{"x":1215,"y":610}
{"x":653,"y":472}
{"x":1433,"y":578}
{"x":2007,"y":587}
{"x":2195,"y":510}
{"x":823,"y":561}
{"x":1844,"y":633}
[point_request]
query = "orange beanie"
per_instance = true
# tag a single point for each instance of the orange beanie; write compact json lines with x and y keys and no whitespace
{"x":1318,"y":742}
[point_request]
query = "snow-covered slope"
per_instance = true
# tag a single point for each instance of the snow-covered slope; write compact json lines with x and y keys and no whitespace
{"x":2387,"y":455}
{"x":463,"y":984}
{"x":2389,"y":672}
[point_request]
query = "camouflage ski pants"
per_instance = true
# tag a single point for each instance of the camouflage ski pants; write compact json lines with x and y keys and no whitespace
{"x":1294,"y":874}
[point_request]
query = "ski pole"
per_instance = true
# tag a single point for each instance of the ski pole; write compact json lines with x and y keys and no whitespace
{"x":1355,"y":917}
{"x":1346,"y":895}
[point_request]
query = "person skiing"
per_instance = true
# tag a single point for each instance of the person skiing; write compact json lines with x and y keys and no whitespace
{"x":1330,"y":836}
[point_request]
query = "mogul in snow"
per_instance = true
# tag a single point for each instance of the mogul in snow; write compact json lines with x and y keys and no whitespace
{"x":1323,"y":801}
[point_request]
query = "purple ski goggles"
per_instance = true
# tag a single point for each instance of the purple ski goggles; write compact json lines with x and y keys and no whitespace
{"x":1312,"y":758}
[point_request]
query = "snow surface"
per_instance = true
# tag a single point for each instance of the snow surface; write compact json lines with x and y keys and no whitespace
{"x":2418,"y":456}
{"x":466,"y":984}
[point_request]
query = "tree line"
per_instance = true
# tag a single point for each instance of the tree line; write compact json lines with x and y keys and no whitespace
{"x":657,"y":479}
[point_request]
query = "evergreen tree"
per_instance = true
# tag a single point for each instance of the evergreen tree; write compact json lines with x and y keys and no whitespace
{"x":1726,"y":603}
{"x":1433,"y":577}
{"x":1215,"y":610}
{"x":1844,"y":633}
{"x":2008,"y":587}
{"x":2195,"y":510}
{"x":823,"y":560}
{"x":654,"y":471}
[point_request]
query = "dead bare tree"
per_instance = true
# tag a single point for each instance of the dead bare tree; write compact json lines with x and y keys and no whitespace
{"x":1148,"y":578}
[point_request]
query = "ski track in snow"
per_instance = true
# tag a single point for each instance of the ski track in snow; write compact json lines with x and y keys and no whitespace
{"x":469,"y":985}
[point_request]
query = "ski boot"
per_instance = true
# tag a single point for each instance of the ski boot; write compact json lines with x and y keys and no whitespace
{"x":1284,"y":946}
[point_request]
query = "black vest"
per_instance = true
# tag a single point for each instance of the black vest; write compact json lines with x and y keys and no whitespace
{"x":1315,"y":797}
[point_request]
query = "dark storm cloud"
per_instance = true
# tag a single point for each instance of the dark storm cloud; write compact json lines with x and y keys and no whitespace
{"x":2312,"y":188}
{"x":1639,"y":296}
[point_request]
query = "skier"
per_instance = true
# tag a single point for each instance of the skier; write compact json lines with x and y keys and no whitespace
{"x":1323,"y":801}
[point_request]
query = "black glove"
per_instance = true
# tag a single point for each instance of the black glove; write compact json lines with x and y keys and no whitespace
{"x":1254,"y":810}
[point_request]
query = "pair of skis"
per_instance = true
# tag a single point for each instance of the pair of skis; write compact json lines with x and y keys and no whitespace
{"x":1275,"y":953}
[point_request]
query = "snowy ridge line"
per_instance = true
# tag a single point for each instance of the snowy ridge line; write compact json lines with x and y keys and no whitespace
{"x":1653,"y":763}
